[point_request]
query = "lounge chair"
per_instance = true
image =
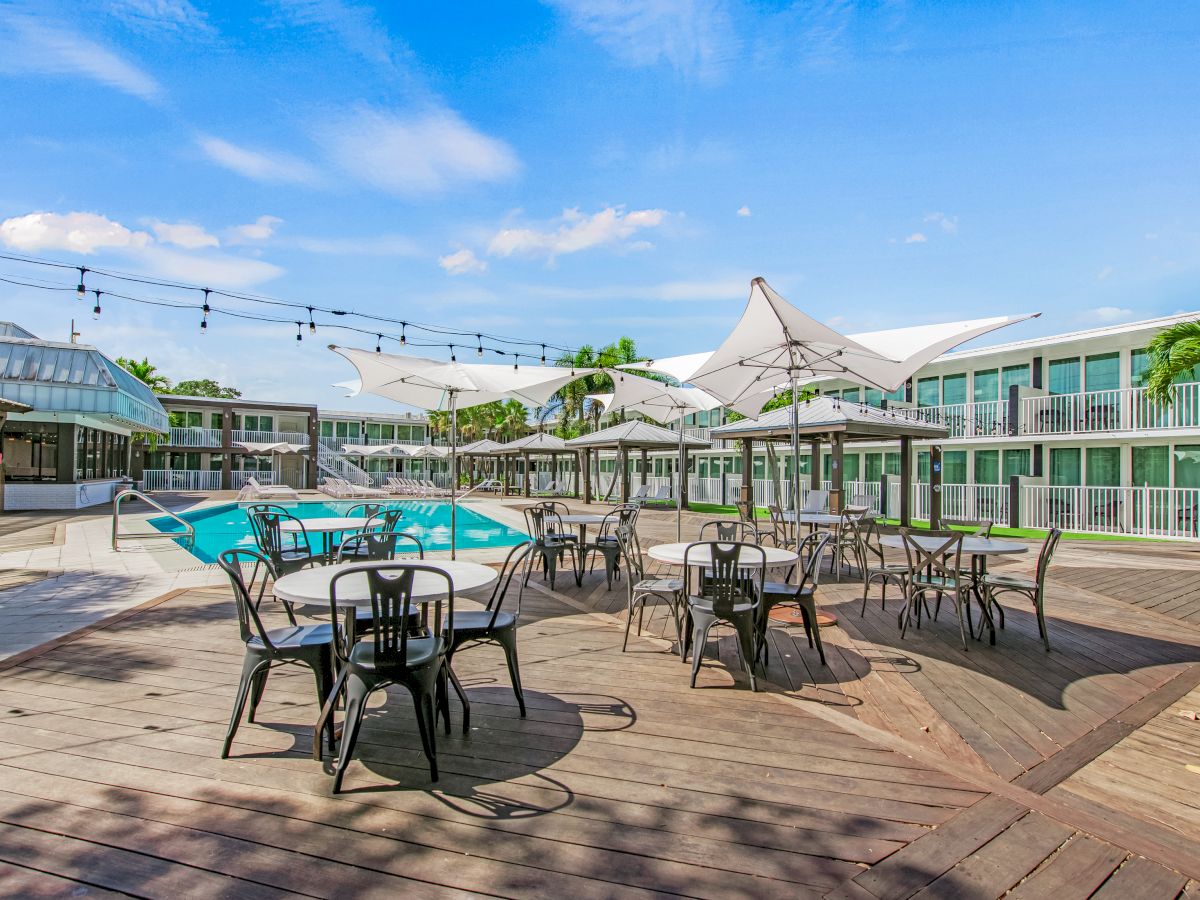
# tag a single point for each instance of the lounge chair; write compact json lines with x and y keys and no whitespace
{"x":661,"y":497}
{"x":255,"y":491}
{"x":640,"y":494}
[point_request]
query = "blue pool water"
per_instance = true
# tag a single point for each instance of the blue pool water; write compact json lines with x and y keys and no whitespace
{"x":227,"y":526}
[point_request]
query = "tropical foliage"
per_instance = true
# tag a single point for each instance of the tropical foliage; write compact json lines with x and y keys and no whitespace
{"x":147,"y":373}
{"x":205,"y":387}
{"x":500,"y":419}
{"x":577,"y":413}
{"x":1174,"y":354}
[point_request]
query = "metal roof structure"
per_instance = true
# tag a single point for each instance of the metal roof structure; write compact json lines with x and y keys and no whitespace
{"x":820,"y":416}
{"x":636,"y":434}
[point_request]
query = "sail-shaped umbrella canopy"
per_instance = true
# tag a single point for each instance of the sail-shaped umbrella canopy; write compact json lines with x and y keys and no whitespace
{"x":440,"y":385}
{"x":664,"y":403}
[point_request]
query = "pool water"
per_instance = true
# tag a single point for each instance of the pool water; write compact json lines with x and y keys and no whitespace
{"x":227,"y":526}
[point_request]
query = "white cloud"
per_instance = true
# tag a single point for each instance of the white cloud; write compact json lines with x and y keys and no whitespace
{"x":260,"y":229}
{"x":421,"y":154}
{"x":357,"y":27}
{"x":948,"y":224}
{"x":915,"y":238}
{"x":1106,"y":314}
{"x":695,"y":37}
{"x":77,"y":232}
{"x":744,"y":212}
{"x":462,"y":262}
{"x":159,"y":17}
{"x":183,"y":234}
{"x":383,"y":245}
{"x":212,"y":269}
{"x":1104,"y":273}
{"x":30,"y":45}
{"x":576,"y":232}
{"x":258,"y":165}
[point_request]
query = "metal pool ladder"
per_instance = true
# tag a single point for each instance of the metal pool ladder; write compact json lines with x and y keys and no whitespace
{"x":189,"y":530}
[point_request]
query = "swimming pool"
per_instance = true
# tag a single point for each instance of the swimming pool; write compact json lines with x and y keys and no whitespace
{"x":227,"y":526}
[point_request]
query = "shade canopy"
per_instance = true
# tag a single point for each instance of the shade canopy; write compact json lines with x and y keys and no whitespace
{"x":259,"y":448}
{"x":533,"y":444}
{"x":825,"y":416}
{"x":482,"y":447}
{"x":427,"y":451}
{"x":429,"y":383}
{"x":635,"y":434}
{"x":656,"y":400}
{"x":372,"y":449}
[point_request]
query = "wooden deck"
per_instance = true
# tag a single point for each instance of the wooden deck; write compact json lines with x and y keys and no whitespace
{"x":904,"y":768}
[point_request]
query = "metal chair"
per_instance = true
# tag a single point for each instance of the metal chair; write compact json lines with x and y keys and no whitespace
{"x":392,"y":655}
{"x":727,"y":531}
{"x":785,"y":531}
{"x":546,"y":528}
{"x":747,"y":515}
{"x":732,"y":596}
{"x":606,"y":543}
{"x":845,"y":540}
{"x":378,"y":546}
{"x":492,"y":624}
{"x":639,"y":588}
{"x":875,"y":564}
{"x":288,"y":552}
{"x":365,"y":510}
{"x":802,"y":595}
{"x":936,"y":571}
{"x":306,"y":645}
{"x":1033,"y":588}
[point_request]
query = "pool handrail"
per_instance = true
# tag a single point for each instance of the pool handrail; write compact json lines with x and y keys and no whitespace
{"x":189,"y":529}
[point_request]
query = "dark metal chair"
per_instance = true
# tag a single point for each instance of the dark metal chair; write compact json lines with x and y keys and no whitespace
{"x":1033,"y":588}
{"x":546,"y":528}
{"x":378,"y":546}
{"x":874,"y":561}
{"x":731,"y":596}
{"x":802,"y":595}
{"x":392,"y":654}
{"x":728,"y":531}
{"x":606,"y":543}
{"x":639,"y":588}
{"x":747,"y":515}
{"x":307,"y":645}
{"x":492,"y":624}
{"x":937,"y":571}
{"x":288,"y":552}
{"x":365,"y":510}
{"x":557,"y":510}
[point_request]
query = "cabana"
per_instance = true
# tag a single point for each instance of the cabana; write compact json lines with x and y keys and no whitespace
{"x":484,"y":448}
{"x":829,"y":420}
{"x":633,"y":435}
{"x":540,"y":444}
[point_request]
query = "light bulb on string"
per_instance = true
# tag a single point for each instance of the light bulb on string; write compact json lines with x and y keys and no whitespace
{"x":543,"y":354}
{"x":96,"y":308}
{"x":81,"y":290}
{"x":299,"y":336}
{"x":378,"y":340}
{"x":403,"y":340}
{"x":312,"y":326}
{"x":479,"y":349}
{"x":516,"y":357}
{"x":205,"y":310}
{"x":452,"y":356}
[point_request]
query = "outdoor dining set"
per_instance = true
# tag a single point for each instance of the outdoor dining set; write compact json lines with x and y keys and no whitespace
{"x":391,"y":616}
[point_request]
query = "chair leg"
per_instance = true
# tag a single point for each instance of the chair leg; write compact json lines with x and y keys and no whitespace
{"x":699,"y":639}
{"x":356,"y":706}
{"x":508,"y":640}
{"x":323,"y":669}
{"x":745,"y":632}
{"x":325,"y":720}
{"x":423,"y":704}
{"x":461,"y":693}
{"x":1041,"y":620}
{"x":809,"y":612}
{"x":958,"y":608}
{"x":257,"y":685}
{"x":250,"y":666}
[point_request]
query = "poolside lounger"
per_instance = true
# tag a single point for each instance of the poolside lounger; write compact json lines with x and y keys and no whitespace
{"x":661,"y":497}
{"x":268,"y":491}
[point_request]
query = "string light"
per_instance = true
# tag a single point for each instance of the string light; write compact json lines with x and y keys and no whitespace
{"x":378,"y":341}
{"x":403,"y":339}
{"x":312,"y":326}
{"x":516,"y":358}
{"x":96,"y":308}
{"x":452,"y":357}
{"x":205,"y":310}
{"x":299,"y":336}
{"x":543,"y":354}
{"x":81,"y":291}
{"x":479,"y":349}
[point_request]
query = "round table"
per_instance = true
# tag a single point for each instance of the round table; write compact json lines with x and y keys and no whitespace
{"x":310,"y":587}
{"x":702,"y":557}
{"x":813,"y":518}
{"x":582,"y":521}
{"x":327,"y":527}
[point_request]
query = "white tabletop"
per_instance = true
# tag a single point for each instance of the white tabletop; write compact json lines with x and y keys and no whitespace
{"x":310,"y":587}
{"x":975,"y":546}
{"x":701,"y":556}
{"x":583,"y":519}
{"x":813,"y":518}
{"x":329,"y":524}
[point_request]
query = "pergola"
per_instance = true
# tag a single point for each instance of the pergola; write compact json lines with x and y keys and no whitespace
{"x":539,"y":444}
{"x":833,"y":421}
{"x":633,"y":435}
{"x":475,"y":450}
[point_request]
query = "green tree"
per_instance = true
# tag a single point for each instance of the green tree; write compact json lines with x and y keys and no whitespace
{"x":514,"y":421}
{"x":206,"y":387}
{"x":573,"y":396}
{"x":147,"y":373}
{"x":1174,"y":353}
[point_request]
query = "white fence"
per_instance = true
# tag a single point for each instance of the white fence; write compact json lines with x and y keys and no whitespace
{"x":1133,"y":511}
{"x":181,"y":480}
{"x":194,"y":437}
{"x":985,"y":419}
{"x":1118,"y":410}
{"x":269,"y":437}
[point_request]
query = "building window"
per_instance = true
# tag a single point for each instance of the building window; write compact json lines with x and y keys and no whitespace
{"x":1102,"y":372}
{"x":929,"y":392}
{"x":30,"y":451}
{"x":874,"y":397}
{"x":326,"y":429}
{"x":986,"y":386}
{"x":891,"y":463}
{"x":1065,"y":468}
{"x":849,"y":468}
{"x":1010,"y":375}
{"x":850,"y":395}
{"x":954,"y":390}
{"x":923,"y":467}
{"x":987,"y":466}
{"x":1064,"y":376}
{"x":872,"y":466}
{"x":1016,"y":462}
{"x":1187,"y":465}
{"x":257,"y":423}
{"x":1103,"y":466}
{"x":954,"y":467}
{"x":216,"y":421}
{"x":899,"y":395}
{"x":1151,"y":466}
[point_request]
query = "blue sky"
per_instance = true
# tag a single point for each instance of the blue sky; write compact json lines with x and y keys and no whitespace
{"x":575,"y":170}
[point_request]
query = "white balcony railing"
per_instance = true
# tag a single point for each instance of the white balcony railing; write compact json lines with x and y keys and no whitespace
{"x":966,"y":420}
{"x":194,"y":437}
{"x":1126,"y":409}
{"x":269,"y":437}
{"x":180,"y":480}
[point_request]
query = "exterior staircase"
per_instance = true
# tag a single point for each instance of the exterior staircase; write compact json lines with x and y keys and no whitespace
{"x":338,"y":466}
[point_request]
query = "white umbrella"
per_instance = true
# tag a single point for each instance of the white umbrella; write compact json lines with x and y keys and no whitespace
{"x":436,"y":384}
{"x":775,"y":345}
{"x":663,"y":403}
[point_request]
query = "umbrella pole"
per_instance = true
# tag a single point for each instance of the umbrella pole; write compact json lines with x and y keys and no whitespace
{"x":682,"y":466}
{"x":795,"y":456}
{"x":453,"y":472}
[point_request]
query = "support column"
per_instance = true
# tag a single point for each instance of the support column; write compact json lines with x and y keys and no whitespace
{"x":504,"y":476}
{"x":814,"y":465}
{"x":747,"y":472}
{"x":906,"y":473}
{"x":525,"y":477}
{"x":314,"y":438}
{"x":683,"y":480}
{"x":836,"y":483}
{"x":227,"y":451}
{"x":645,"y":465}
{"x":623,"y":459}
{"x":935,"y":486}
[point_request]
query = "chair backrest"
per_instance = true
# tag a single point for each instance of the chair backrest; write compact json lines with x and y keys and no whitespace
{"x":512,"y":566}
{"x":942,"y":557}
{"x":625,"y":514}
{"x":378,"y":546}
{"x":264,"y":507}
{"x":1045,"y":554}
{"x":541,"y":523}
{"x":388,"y":519}
{"x":780,"y":525}
{"x":726,"y":531}
{"x":663,"y":493}
{"x":641,"y":493}
{"x":811,"y":548}
{"x":745,"y":510}
{"x":250,"y":625}
{"x":868,"y":530}
{"x":816,"y":501}
{"x":728,"y":581}
{"x":631,"y":553}
{"x":981,"y":528}
{"x":391,"y":587}
{"x":863,"y":500}
{"x":268,"y":534}
{"x":365,"y":510}
{"x":559,"y":509}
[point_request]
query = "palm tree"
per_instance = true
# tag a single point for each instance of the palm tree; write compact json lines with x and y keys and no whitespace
{"x":145,"y":372}
{"x":513,"y":423}
{"x":1174,"y":353}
